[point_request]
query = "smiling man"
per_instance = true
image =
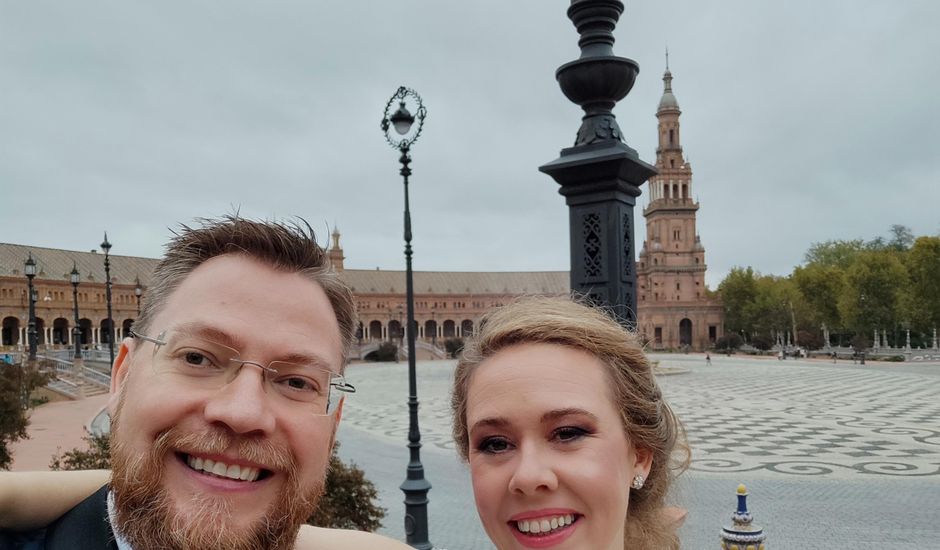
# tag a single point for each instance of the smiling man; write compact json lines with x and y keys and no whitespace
{"x":225,"y":404}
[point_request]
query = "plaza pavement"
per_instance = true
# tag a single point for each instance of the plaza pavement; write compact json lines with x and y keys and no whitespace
{"x":53,"y":428}
{"x":834,"y":456}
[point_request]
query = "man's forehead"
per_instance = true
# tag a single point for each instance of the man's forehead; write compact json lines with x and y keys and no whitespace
{"x":241,"y":301}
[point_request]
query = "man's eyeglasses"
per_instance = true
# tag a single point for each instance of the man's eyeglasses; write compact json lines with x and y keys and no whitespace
{"x":207,"y":364}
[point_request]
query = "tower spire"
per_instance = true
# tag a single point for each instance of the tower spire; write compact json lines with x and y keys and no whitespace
{"x":668,"y":102}
{"x":336,"y":251}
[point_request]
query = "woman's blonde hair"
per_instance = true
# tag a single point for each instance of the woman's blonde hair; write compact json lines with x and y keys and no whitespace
{"x":648,"y":421}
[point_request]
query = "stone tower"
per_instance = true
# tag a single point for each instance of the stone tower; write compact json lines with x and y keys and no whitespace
{"x":674,"y":311}
{"x":336,"y":251}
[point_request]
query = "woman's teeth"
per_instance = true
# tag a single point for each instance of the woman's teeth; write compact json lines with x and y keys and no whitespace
{"x":544,"y":525}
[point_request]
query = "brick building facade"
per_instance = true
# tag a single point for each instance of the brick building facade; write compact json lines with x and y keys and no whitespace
{"x":674,"y":311}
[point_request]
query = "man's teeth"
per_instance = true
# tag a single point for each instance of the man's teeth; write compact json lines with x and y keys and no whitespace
{"x":544,"y":525}
{"x":221,"y":469}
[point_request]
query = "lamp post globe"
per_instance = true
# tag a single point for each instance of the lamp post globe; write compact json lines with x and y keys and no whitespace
{"x":75,"y":278}
{"x":407,"y":130}
{"x":106,"y":247}
{"x":30,"y":270}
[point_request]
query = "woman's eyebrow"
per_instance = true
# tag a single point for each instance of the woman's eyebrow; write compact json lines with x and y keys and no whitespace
{"x":555,"y":414}
{"x":490,"y":422}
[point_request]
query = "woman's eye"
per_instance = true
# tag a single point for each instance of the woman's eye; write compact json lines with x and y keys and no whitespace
{"x":493,"y":445}
{"x":569,"y":433}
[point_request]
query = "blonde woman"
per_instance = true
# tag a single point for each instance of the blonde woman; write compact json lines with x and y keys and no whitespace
{"x":567,"y":435}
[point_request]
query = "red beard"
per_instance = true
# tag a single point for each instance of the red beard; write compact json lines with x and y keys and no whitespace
{"x":147,"y":517}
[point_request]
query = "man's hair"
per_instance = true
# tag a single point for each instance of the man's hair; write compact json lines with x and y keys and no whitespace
{"x":646,"y":418}
{"x":288,"y":247}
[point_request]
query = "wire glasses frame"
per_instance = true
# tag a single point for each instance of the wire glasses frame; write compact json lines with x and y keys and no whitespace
{"x":210,"y":364}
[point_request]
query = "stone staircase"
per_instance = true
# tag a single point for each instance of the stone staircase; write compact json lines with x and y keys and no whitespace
{"x":75,"y":387}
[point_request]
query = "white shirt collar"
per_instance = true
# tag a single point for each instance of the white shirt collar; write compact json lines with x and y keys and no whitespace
{"x":122,"y":544}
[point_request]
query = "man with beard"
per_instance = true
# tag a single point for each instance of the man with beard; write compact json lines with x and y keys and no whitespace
{"x":225,"y":403}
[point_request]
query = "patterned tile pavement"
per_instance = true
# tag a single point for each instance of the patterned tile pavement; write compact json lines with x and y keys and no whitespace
{"x":835,"y":456}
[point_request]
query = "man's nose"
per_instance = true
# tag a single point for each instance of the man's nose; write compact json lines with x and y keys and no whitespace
{"x":533,"y":471}
{"x":243,"y":405}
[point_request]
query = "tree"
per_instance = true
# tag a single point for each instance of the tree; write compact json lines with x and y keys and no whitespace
{"x":738,"y":290}
{"x":770,"y":310}
{"x":871,"y":295}
{"x":17,"y":382}
{"x":834,"y":253}
{"x":921,"y":300}
{"x":820,"y":286}
{"x":901,"y":237}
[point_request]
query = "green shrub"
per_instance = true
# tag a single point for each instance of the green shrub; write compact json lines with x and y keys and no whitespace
{"x":96,"y":457}
{"x":761,"y":342}
{"x":387,"y":352}
{"x":348,"y":499}
{"x":730,"y":341}
{"x":17,"y":382}
{"x":453,"y":346}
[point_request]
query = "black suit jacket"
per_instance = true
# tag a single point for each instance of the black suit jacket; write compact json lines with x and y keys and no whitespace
{"x":84,"y":527}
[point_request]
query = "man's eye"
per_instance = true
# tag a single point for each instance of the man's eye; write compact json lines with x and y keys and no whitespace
{"x":569,"y":433}
{"x":494,"y":445}
{"x":299,"y":383}
{"x":196,"y":359}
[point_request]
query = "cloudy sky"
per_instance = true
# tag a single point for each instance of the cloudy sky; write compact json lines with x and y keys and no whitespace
{"x":803,"y":121}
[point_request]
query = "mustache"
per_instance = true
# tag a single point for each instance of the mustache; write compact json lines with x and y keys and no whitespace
{"x":218,"y":440}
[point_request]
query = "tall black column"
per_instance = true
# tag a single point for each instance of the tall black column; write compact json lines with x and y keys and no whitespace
{"x":600,"y":176}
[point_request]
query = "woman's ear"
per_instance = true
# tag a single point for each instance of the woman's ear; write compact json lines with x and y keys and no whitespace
{"x":642,"y":461}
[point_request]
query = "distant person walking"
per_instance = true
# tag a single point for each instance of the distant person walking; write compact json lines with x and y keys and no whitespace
{"x":708,"y":359}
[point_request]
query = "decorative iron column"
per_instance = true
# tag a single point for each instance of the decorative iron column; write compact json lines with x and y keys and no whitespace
{"x":30,"y":268}
{"x":600,"y":176}
{"x":76,"y":330}
{"x":415,"y":486}
{"x":138,"y":292}
{"x":106,"y":247}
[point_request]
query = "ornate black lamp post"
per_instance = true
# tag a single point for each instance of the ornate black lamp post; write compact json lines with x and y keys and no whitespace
{"x":433,"y":334}
{"x":76,"y":330}
{"x":600,"y":175}
{"x":106,"y":247}
{"x":31,"y":327}
{"x":138,"y":292}
{"x":401,"y":328}
{"x":415,"y":486}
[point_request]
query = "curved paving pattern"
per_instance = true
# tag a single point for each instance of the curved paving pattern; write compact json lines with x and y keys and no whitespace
{"x":763,"y":417}
{"x":810,"y":419}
